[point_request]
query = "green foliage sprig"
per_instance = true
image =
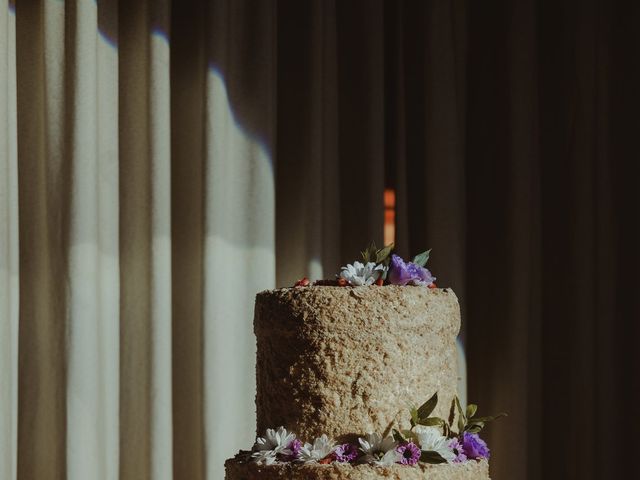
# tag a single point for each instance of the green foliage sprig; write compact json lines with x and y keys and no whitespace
{"x":466,"y":422}
{"x":379,"y":256}
{"x":422,"y":415}
{"x":422,"y":258}
{"x":375,"y":254}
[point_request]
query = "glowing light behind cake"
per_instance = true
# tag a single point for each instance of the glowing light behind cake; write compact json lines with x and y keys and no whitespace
{"x":389,"y":216}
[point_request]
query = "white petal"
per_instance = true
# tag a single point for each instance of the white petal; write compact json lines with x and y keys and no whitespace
{"x":366,"y":446}
{"x":389,"y":458}
{"x":371,"y":266}
{"x":446,"y":453}
{"x":267,"y":457}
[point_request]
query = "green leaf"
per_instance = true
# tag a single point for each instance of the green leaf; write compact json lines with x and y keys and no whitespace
{"x":474,"y":425}
{"x":471,"y":410}
{"x":431,"y":457}
{"x":427,"y":407}
{"x":458,"y":406}
{"x":461,"y":424}
{"x":422,"y":258}
{"x":452,"y":412}
{"x":383,"y":253}
{"x":431,"y":421}
{"x":473,"y":429}
{"x":490,"y":419}
{"x":461,"y":420}
{"x":414,"y":416}
{"x":397,"y":436}
{"x":369,"y":254}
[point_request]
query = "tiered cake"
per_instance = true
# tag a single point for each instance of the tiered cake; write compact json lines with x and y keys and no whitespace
{"x":335,"y":363}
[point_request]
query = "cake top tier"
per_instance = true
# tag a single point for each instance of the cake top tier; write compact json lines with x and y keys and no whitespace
{"x":351,"y":360}
{"x":374,"y":306}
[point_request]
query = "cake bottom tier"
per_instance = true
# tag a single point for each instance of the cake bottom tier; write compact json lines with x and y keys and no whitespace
{"x":236,"y":469}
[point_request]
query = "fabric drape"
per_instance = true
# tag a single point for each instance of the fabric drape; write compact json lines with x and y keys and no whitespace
{"x":161,"y":162}
{"x":142,"y":200}
{"x":509,"y":139}
{"x":9,"y":249}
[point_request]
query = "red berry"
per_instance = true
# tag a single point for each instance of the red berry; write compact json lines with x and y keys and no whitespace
{"x":433,"y":285}
{"x":380,"y":282}
{"x":342,"y":282}
{"x":326,"y":460}
{"x":304,"y":282}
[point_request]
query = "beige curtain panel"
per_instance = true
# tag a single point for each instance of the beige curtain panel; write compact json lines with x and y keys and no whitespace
{"x":137,"y":224}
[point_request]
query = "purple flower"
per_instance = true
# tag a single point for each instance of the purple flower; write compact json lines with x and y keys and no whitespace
{"x":294,"y":447}
{"x":456,"y":446}
{"x":401,"y":273}
{"x":473,"y":446}
{"x":347,"y":452}
{"x":409,"y":453}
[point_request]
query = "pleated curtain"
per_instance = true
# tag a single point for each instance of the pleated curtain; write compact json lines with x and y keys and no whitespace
{"x":162,"y":162}
{"x":137,"y":225}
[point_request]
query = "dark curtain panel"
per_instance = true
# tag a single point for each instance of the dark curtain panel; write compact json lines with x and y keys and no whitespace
{"x":509,"y":131}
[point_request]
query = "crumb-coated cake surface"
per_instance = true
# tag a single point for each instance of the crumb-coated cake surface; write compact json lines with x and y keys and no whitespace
{"x":239,"y":470}
{"x":347,"y":361}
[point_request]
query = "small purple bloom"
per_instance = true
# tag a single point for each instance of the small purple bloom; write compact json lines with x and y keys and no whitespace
{"x":398,"y":272}
{"x":347,"y":452}
{"x":409,"y":452}
{"x":420,"y":275}
{"x":401,"y":273}
{"x":456,"y":446}
{"x":473,"y":446}
{"x":294,"y":447}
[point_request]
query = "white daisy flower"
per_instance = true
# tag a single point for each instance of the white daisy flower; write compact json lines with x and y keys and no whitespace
{"x":378,"y":450}
{"x":275,"y":442}
{"x":431,"y":440}
{"x":322,"y":446}
{"x":359,"y":274}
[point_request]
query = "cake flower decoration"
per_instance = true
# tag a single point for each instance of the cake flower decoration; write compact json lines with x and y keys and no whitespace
{"x":371,"y":270}
{"x":380,"y":264}
{"x":358,"y":274}
{"x":456,"y":446}
{"x":347,"y":452}
{"x":474,"y":447}
{"x":440,"y":445}
{"x":321,"y":448}
{"x":410,"y":273}
{"x":409,"y":453}
{"x":295,"y":447}
{"x":431,"y":440}
{"x":275,"y":444}
{"x":378,"y":450}
{"x":303,"y":282}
